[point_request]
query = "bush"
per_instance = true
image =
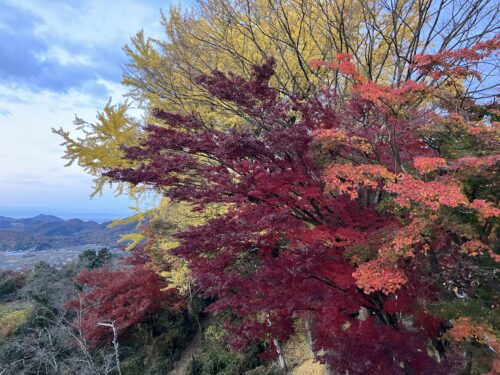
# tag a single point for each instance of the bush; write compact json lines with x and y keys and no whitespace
{"x":216,"y":358}
{"x":12,"y":316}
{"x":11,"y":282}
{"x":92,"y":259}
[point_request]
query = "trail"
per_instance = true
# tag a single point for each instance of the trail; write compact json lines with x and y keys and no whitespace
{"x":181,"y":365}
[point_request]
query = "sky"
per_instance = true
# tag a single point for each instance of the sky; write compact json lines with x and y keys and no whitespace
{"x":58,"y":59}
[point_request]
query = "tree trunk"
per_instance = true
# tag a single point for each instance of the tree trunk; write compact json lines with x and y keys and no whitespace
{"x":328,"y":369}
{"x":281,"y":357}
{"x":308,"y":334}
{"x":115,"y":344}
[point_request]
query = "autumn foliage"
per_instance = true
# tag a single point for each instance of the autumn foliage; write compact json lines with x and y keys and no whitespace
{"x":127,"y":296}
{"x":355,"y":213}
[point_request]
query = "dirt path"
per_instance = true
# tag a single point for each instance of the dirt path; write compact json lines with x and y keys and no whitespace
{"x":181,"y":366}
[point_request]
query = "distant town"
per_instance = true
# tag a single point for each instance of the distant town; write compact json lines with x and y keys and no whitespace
{"x":26,"y":241}
{"x":20,"y":260}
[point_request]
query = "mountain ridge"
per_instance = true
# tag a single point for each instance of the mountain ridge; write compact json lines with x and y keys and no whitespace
{"x":43,"y":232}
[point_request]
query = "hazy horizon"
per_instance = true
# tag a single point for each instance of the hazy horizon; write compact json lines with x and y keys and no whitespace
{"x":27,"y":213}
{"x":99,"y":217}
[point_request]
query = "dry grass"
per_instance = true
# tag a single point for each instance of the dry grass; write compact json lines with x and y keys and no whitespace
{"x":12,"y":316}
{"x":299,"y":356}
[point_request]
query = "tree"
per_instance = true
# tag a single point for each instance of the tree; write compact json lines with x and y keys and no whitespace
{"x":350,"y":212}
{"x":382,"y":37}
{"x":42,"y":337}
{"x":92,"y":259}
{"x":10,"y":283}
{"x":128,"y":296}
{"x":99,"y":147}
{"x":57,"y":348}
{"x":49,"y":287}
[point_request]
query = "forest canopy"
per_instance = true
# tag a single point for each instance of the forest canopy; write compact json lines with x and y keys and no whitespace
{"x":329,"y":169}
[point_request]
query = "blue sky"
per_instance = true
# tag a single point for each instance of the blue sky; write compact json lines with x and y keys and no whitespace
{"x":59,"y":58}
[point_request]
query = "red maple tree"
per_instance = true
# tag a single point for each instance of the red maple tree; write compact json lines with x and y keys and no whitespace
{"x":132,"y":294}
{"x":346,"y":212}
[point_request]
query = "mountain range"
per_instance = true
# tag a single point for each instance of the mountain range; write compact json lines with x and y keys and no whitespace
{"x":51,"y":232}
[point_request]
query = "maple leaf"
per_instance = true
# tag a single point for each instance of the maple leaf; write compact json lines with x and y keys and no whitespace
{"x":474,"y":248}
{"x":425,"y":164}
{"x":486,"y":209}
{"x":347,"y":179}
{"x":126,"y":296}
{"x":379,"y":276}
{"x":430,"y":194}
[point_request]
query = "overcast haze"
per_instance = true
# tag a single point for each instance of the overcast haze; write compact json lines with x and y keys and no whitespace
{"x":58,"y":59}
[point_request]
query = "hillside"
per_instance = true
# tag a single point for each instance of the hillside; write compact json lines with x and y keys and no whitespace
{"x":46,"y":232}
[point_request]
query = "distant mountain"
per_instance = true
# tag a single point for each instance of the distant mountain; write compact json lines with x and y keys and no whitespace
{"x":45,"y":219}
{"x":51,"y":232}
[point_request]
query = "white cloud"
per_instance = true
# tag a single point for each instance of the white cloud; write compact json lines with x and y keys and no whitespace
{"x":27,"y":145}
{"x":65,"y":57}
{"x":32,"y":173}
{"x":88,"y":35}
{"x":96,"y":22}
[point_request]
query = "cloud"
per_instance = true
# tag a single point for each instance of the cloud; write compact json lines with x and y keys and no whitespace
{"x":59,"y":58}
{"x":63,"y":45}
{"x":4,"y":112}
{"x":10,"y":98}
{"x":32,"y":173}
{"x":22,"y":53}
